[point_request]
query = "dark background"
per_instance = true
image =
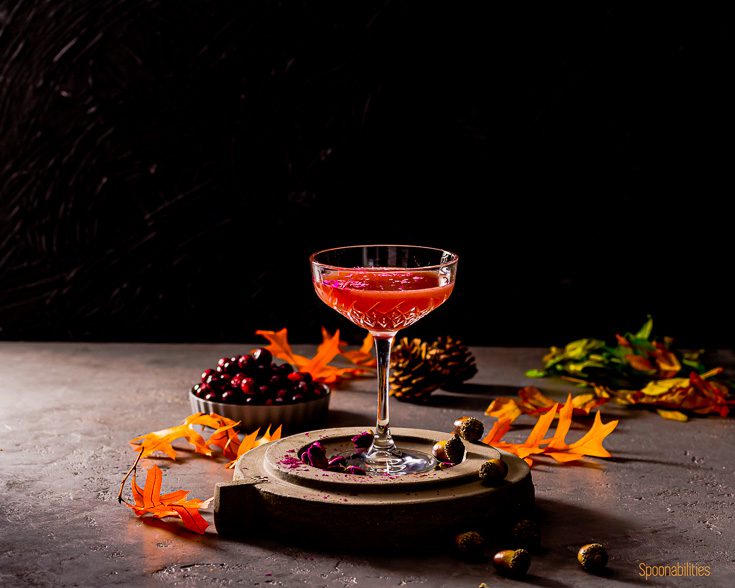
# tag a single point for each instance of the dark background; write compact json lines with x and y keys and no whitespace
{"x":167,"y":166}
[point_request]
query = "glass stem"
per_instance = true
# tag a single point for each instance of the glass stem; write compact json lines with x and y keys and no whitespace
{"x":383,"y":443}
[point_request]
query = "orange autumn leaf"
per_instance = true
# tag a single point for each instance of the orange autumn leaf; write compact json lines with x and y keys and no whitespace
{"x":556,"y":447}
{"x":319,"y":366}
{"x":280,"y":347}
{"x":363,"y":356}
{"x":161,"y":440}
{"x":224,"y":436}
{"x":504,"y":409}
{"x":149,"y":501}
{"x":640,"y":363}
{"x":251,"y":441}
{"x":532,"y":401}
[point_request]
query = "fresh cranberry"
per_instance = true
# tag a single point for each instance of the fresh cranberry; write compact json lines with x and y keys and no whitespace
{"x":306,"y":376}
{"x":225,"y":377}
{"x":297,"y":398}
{"x":295,"y":376}
{"x":230,"y":396}
{"x":195,"y":389}
{"x":268,"y":402}
{"x":282,"y":393}
{"x":245,"y":362}
{"x":222,"y":361}
{"x":248,"y":386}
{"x":304,"y":388}
{"x":264,"y":390}
{"x":250,"y":400}
{"x":277,"y":381}
{"x":212,"y":397}
{"x":206,"y":373}
{"x":262,"y":356}
{"x":211,"y":378}
{"x":278,"y":401}
{"x":204,"y":389}
{"x":285,"y":369}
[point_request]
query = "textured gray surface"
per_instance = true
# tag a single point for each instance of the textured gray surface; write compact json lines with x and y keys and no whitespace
{"x":67,"y":411}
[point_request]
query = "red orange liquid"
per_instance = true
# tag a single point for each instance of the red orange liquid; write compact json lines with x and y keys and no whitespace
{"x":383,"y":301}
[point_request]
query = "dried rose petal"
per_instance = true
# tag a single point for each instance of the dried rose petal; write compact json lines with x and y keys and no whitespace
{"x":363,"y":440}
{"x":315,"y":456}
{"x":444,"y":465}
{"x":355,"y":471}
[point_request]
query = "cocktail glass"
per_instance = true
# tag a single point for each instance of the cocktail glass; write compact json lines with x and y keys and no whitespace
{"x":385,"y":288}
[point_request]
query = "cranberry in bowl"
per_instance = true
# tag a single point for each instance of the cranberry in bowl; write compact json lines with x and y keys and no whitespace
{"x":258,"y":392}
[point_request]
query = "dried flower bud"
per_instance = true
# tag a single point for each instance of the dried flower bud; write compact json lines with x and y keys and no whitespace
{"x":355,"y":471}
{"x":315,"y":456}
{"x":512,"y":562}
{"x":363,"y":440}
{"x":493,"y":472}
{"x":469,"y":428}
{"x":592,"y":557}
{"x":526,"y":534}
{"x":469,"y":545}
{"x":443,"y":465}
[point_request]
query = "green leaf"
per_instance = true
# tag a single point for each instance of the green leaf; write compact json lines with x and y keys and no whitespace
{"x":645,"y":331}
{"x":535,"y":374}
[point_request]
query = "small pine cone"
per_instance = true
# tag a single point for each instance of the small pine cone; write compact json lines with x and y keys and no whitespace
{"x":455,"y":359}
{"x":413,"y":374}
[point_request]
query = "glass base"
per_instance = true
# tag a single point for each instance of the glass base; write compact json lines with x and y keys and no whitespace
{"x":394,"y":463}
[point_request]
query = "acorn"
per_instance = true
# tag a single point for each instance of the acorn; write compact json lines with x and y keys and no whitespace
{"x":439,"y":452}
{"x":526,"y":534}
{"x":592,"y":557}
{"x":512,"y":562}
{"x":493,"y":472}
{"x":469,"y":428}
{"x":469,"y":545}
{"x":454,"y":448}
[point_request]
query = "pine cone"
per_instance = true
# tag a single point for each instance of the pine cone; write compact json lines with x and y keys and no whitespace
{"x":455,"y":359}
{"x":414,"y":374}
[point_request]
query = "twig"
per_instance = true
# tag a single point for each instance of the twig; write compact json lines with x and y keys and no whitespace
{"x":125,"y":479}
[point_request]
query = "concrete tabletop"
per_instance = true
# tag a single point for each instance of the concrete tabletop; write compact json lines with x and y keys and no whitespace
{"x":68,"y":410}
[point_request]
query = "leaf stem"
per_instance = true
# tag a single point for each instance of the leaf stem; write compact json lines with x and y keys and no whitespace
{"x":125,"y":479}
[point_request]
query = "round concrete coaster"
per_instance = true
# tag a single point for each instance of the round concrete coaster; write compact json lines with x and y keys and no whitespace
{"x":273,"y":493}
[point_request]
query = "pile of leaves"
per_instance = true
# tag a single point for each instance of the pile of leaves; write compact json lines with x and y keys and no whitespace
{"x":149,"y":501}
{"x":320,"y":366}
{"x":639,"y":370}
{"x":537,"y":444}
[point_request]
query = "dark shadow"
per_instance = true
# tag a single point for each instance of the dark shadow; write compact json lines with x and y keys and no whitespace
{"x":209,"y":539}
{"x":488,"y":389}
{"x":464,"y":403}
{"x":652,"y":461}
{"x":344,"y":418}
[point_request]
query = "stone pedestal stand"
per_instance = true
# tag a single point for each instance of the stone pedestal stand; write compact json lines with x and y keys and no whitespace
{"x":272,"y":494}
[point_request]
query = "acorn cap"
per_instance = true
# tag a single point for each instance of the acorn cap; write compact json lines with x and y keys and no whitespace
{"x":493,"y":471}
{"x":512,"y":562}
{"x":469,"y":545}
{"x":469,"y":428}
{"x":592,"y":557}
{"x":454,"y":449}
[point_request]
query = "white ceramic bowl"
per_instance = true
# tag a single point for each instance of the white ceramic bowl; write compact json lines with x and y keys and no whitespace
{"x":297,"y":417}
